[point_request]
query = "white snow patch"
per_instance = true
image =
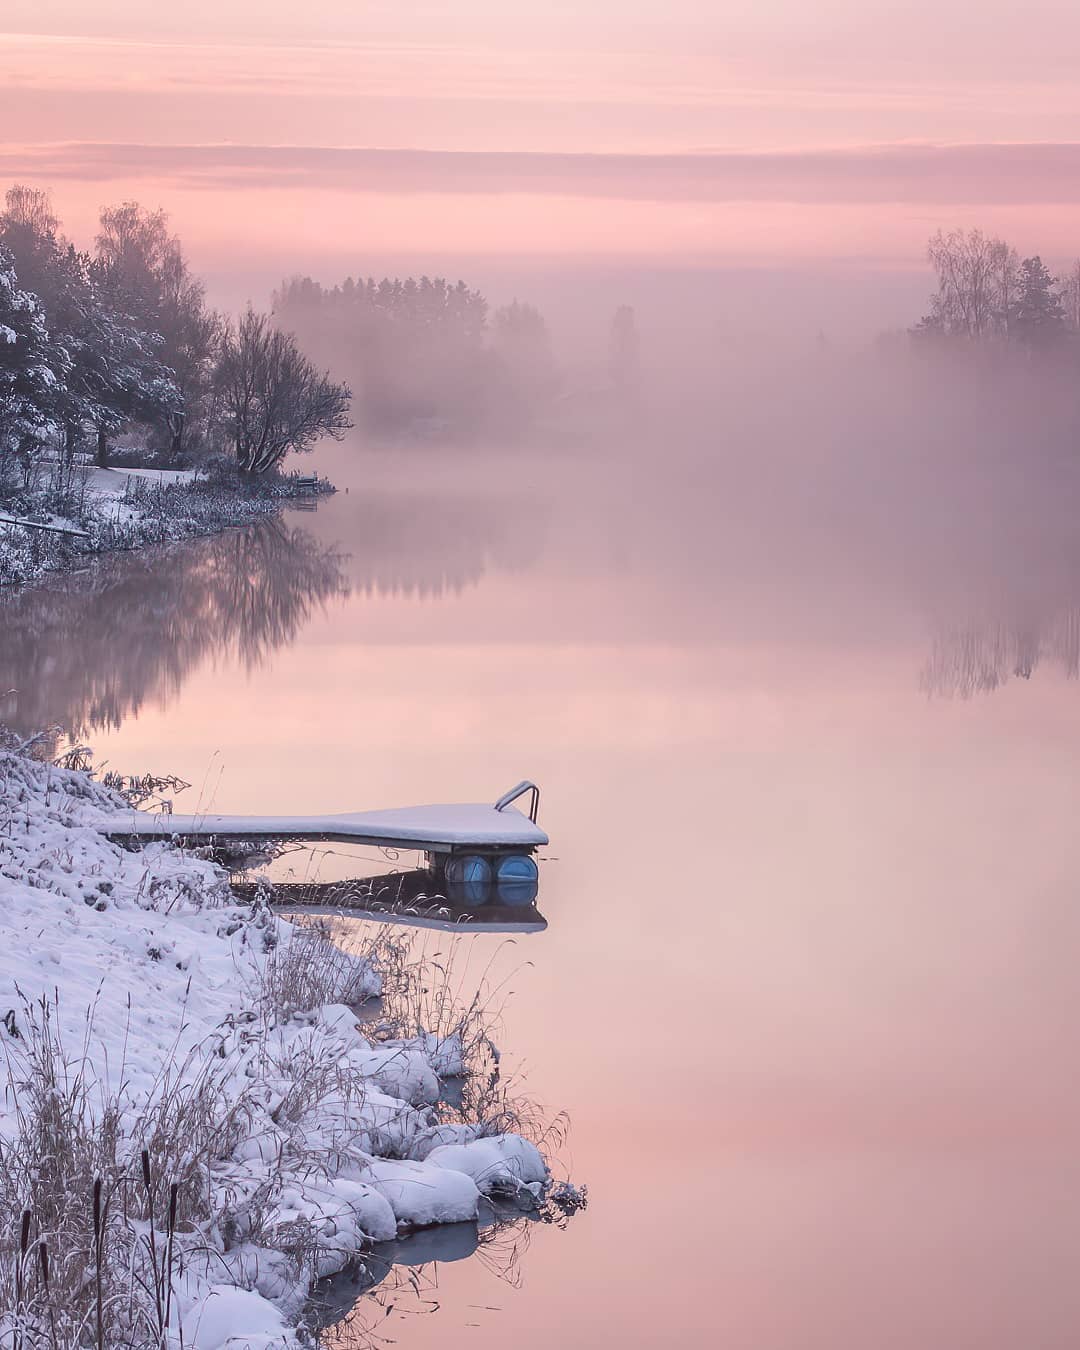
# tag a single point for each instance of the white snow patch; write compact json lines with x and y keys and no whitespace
{"x":115,"y":482}
{"x":228,"y":1318}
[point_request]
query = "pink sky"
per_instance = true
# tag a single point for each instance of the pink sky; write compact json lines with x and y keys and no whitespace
{"x":757,"y":132}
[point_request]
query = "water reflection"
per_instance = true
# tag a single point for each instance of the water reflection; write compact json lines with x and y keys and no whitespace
{"x":89,"y":651}
{"x":428,"y":545}
{"x":402,"y":1277}
{"x":979,"y":658}
{"x":413,"y":898}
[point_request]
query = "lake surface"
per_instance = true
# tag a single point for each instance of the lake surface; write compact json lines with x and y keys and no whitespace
{"x":808,"y":989}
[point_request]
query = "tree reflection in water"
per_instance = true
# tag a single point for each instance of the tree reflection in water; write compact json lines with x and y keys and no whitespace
{"x":428,"y":546}
{"x":87,"y":651}
{"x":978,"y":658}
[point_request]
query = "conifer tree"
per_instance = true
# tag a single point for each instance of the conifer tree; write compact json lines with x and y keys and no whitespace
{"x":1038,"y":316}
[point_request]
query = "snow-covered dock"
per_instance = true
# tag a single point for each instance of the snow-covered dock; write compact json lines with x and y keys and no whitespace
{"x":448,"y":830}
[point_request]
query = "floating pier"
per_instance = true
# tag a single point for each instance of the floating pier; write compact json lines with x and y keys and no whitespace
{"x":460,"y":841}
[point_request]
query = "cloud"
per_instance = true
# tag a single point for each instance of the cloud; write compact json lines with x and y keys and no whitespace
{"x":1004,"y":174}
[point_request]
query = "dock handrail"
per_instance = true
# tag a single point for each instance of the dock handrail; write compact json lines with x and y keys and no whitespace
{"x":519,"y":790}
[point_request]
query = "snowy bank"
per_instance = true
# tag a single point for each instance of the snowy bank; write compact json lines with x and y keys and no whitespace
{"x":122,"y":509}
{"x":196,"y":1125}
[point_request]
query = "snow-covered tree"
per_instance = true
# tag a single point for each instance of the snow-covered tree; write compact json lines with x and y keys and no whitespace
{"x":121,"y":370}
{"x":33,"y":370}
{"x":116,"y":373}
{"x":113,"y":369}
{"x":153,"y":284}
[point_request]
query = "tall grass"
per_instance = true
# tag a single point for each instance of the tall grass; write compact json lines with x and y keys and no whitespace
{"x":439,"y":985}
{"x":92,"y":1201}
{"x":308,"y":970}
{"x":103,"y":1198}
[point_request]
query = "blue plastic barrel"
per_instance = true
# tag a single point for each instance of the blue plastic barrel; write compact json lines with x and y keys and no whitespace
{"x":468,"y":879}
{"x":516,"y":879}
{"x":517,"y":867}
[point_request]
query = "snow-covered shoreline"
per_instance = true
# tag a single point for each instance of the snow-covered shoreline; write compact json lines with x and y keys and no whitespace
{"x":119,"y":509}
{"x":302,"y":1134}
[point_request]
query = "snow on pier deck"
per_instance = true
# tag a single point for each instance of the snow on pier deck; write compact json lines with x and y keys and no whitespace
{"x":432,"y":829}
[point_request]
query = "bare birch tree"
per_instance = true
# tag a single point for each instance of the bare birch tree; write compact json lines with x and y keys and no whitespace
{"x":978,"y":284}
{"x":273,"y":399}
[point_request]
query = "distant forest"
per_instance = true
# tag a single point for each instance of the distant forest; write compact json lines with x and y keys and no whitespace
{"x":430,"y":358}
{"x":417,"y":351}
{"x":424,"y":355}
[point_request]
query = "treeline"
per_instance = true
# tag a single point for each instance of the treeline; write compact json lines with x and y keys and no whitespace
{"x":425,"y":355}
{"x":986,"y":293}
{"x":100,"y":342}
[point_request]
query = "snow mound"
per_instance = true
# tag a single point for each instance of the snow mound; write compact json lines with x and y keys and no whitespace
{"x":420,"y":1194}
{"x":503,"y":1163}
{"x":431,"y":1138}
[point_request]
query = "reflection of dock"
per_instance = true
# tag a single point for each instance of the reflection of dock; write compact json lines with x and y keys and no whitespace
{"x":413,"y":898}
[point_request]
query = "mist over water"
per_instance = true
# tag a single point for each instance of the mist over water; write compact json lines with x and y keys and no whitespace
{"x":790,"y":642}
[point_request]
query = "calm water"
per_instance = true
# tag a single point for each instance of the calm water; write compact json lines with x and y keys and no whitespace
{"x":808,"y":989}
